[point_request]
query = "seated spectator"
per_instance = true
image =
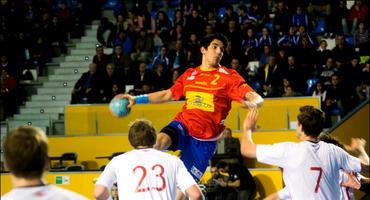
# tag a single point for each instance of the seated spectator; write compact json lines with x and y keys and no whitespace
{"x":270,"y":75}
{"x":265,"y":39}
{"x":245,"y":20}
{"x":120,"y":61}
{"x":100,"y":59}
{"x":179,"y":18}
{"x":294,"y":73}
{"x":161,"y":58}
{"x":337,"y":97}
{"x":177,"y":33}
{"x":143,"y":48}
{"x":194,"y":23}
{"x":290,"y":92}
{"x":322,"y":53}
{"x":288,"y":40}
{"x":124,"y":41}
{"x":161,"y":78}
{"x":302,"y":33}
{"x":177,"y":57}
{"x":142,"y":76}
{"x":8,"y":94}
{"x":362,"y":39}
{"x":105,"y":28}
{"x":342,"y":51}
{"x":120,"y":25}
{"x":162,"y":25}
{"x":359,"y":12}
{"x":135,"y":20}
{"x":328,"y":71}
{"x":300,"y":18}
{"x":249,"y":46}
{"x":340,"y":18}
{"x":110,"y":77}
{"x":57,"y":37}
{"x":87,"y":87}
{"x":265,"y":55}
{"x":320,"y":91}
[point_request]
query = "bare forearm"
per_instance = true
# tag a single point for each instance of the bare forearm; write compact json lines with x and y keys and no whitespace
{"x":248,"y":148}
{"x":101,"y":192}
{"x":253,"y":100}
{"x":363,"y":156}
{"x":160,"y":97}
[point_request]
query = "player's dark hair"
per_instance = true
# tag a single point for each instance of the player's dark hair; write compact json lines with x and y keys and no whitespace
{"x":312,"y":120}
{"x":142,"y":133}
{"x":206,"y":41}
{"x":26,"y":152}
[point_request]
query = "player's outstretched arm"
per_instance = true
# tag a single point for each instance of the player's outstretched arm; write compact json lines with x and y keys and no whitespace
{"x":248,"y":148}
{"x":101,"y":192}
{"x":155,"y":97}
{"x":253,"y":100}
{"x":194,"y":193}
{"x":358,"y":145}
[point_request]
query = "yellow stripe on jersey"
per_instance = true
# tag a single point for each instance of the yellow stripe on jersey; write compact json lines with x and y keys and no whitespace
{"x":200,"y":100}
{"x":203,"y":88}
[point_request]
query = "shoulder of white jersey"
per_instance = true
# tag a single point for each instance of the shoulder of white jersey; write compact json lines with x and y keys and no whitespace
{"x":68,"y":194}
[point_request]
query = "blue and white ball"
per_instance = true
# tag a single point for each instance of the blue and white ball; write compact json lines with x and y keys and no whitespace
{"x":118,"y":107}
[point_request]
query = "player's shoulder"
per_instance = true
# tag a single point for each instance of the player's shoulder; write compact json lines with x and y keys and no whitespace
{"x":58,"y":191}
{"x":227,"y":71}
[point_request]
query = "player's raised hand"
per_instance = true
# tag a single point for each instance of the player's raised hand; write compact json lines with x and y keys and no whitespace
{"x":253,"y":100}
{"x":131,"y":99}
{"x":357,"y":144}
{"x":250,"y":120}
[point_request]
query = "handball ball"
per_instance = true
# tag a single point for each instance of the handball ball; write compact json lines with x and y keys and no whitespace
{"x":118,"y":107}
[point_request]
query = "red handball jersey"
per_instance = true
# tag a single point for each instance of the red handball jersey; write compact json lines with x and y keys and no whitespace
{"x":208,"y":99}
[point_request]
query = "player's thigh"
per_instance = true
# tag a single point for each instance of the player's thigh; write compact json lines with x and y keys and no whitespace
{"x":197,"y":155}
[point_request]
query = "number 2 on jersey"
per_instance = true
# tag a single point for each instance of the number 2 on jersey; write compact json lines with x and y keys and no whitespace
{"x":143,"y":176}
{"x":214,"y":81}
{"x":318,"y":178}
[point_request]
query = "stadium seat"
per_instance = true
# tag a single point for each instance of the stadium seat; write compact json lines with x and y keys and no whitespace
{"x":221,"y":12}
{"x":311,"y":83}
{"x":320,"y":26}
{"x":74,"y":168}
{"x":349,"y":40}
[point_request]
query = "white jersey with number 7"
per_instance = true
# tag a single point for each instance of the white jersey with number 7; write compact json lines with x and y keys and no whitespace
{"x":311,"y":170}
{"x":146,"y":174}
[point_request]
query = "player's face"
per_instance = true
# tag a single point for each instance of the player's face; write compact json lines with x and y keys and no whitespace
{"x":298,"y":133}
{"x":213,"y":53}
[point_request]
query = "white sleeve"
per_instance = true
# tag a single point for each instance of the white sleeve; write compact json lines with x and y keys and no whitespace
{"x":347,"y":162}
{"x":184,"y":179}
{"x":108,"y":177}
{"x":284,"y":194}
{"x":273,"y":154}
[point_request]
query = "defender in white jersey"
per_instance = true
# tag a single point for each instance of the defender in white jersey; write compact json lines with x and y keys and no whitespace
{"x":146,"y":173}
{"x":311,"y":167}
{"x":26,"y":156}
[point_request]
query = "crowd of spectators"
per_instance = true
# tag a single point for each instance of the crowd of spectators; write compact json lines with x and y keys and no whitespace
{"x":280,"y":47}
{"x":31,"y":32}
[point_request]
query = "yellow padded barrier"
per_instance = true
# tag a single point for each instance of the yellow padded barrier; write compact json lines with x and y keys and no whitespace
{"x":276,"y":114}
{"x":268,"y":181}
{"x":90,"y":147}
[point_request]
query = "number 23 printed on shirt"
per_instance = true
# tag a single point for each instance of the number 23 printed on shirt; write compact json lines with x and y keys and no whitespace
{"x":159,"y":174}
